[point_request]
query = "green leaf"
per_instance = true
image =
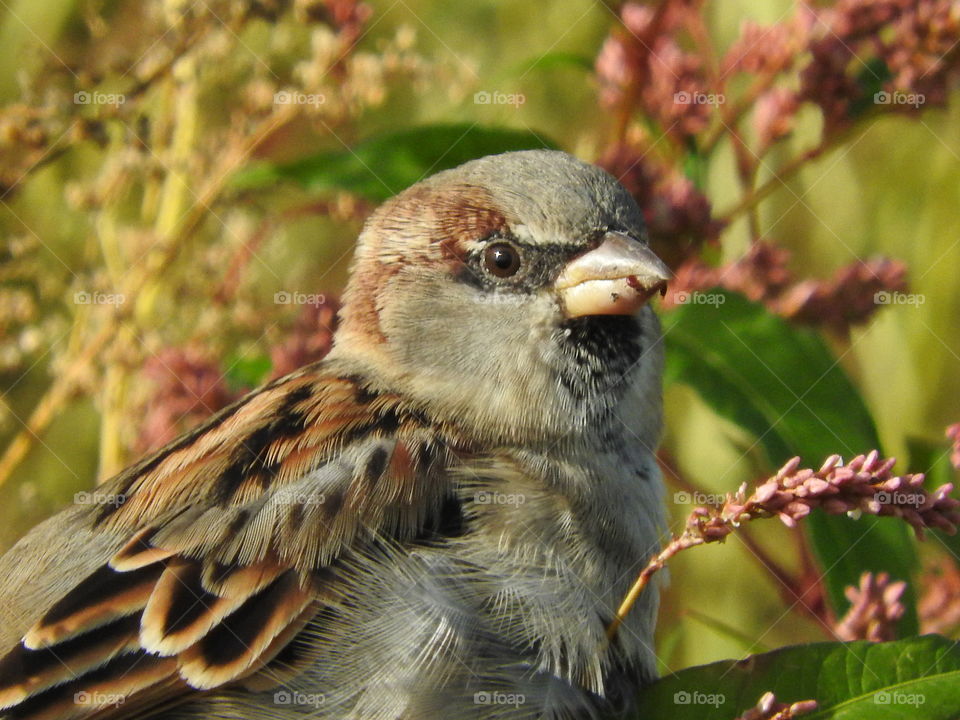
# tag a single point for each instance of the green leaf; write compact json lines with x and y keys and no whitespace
{"x":782,"y":384}
{"x":695,"y":165}
{"x":869,"y":81}
{"x":382,"y":166}
{"x":558,"y":59}
{"x":912,"y":678}
{"x":244,"y":372}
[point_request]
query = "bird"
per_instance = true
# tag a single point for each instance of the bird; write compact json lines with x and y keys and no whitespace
{"x":436,"y":520}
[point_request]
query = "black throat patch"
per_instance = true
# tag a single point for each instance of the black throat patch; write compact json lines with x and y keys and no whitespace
{"x":599,"y":352}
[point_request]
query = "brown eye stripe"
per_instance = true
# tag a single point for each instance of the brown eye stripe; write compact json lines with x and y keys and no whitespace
{"x":462,"y":214}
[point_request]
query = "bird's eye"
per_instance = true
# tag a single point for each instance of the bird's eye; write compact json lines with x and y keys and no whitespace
{"x":501,"y":259}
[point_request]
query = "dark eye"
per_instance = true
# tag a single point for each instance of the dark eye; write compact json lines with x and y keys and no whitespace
{"x":501,"y":259}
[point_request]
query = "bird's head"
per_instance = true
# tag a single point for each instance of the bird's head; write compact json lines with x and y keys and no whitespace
{"x":509,"y":292}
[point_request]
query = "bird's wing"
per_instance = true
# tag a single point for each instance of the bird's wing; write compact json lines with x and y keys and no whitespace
{"x":216,"y":550}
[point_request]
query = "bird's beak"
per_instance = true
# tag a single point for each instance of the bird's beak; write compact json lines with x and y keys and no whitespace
{"x":615,"y":278}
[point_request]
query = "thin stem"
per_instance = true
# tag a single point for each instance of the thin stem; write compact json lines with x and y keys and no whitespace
{"x":656,"y":563}
{"x":788,"y":170}
{"x":51,"y":404}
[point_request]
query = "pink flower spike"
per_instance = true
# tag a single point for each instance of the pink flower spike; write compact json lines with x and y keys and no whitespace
{"x":766,"y":491}
{"x":953,"y":432}
{"x":817,"y":486}
{"x":917,"y":480}
{"x":769,"y":708}
{"x":767,"y":702}
{"x":894,"y":483}
{"x":874,"y":609}
{"x":886,"y":466}
{"x":787,"y":520}
{"x":829,"y":464}
{"x":790,"y":468}
{"x":835,"y":506}
{"x":843,"y":475}
{"x":793,"y":493}
{"x":942,"y":492}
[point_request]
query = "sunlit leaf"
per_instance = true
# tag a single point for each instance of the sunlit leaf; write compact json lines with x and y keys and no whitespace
{"x":382,"y":166}
{"x":551,"y":60}
{"x":243,"y":372}
{"x":912,"y":678}
{"x":870,"y":80}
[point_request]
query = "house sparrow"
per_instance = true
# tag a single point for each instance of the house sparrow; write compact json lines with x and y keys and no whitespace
{"x":437,"y":520}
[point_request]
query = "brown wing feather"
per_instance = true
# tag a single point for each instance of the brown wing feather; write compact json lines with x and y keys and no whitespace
{"x":181,"y":610}
{"x":228,"y":528}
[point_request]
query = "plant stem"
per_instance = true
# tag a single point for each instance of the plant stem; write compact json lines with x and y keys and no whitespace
{"x":50,"y":404}
{"x":787,"y":171}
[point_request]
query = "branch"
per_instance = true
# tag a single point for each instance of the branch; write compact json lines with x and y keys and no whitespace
{"x":864,"y":486}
